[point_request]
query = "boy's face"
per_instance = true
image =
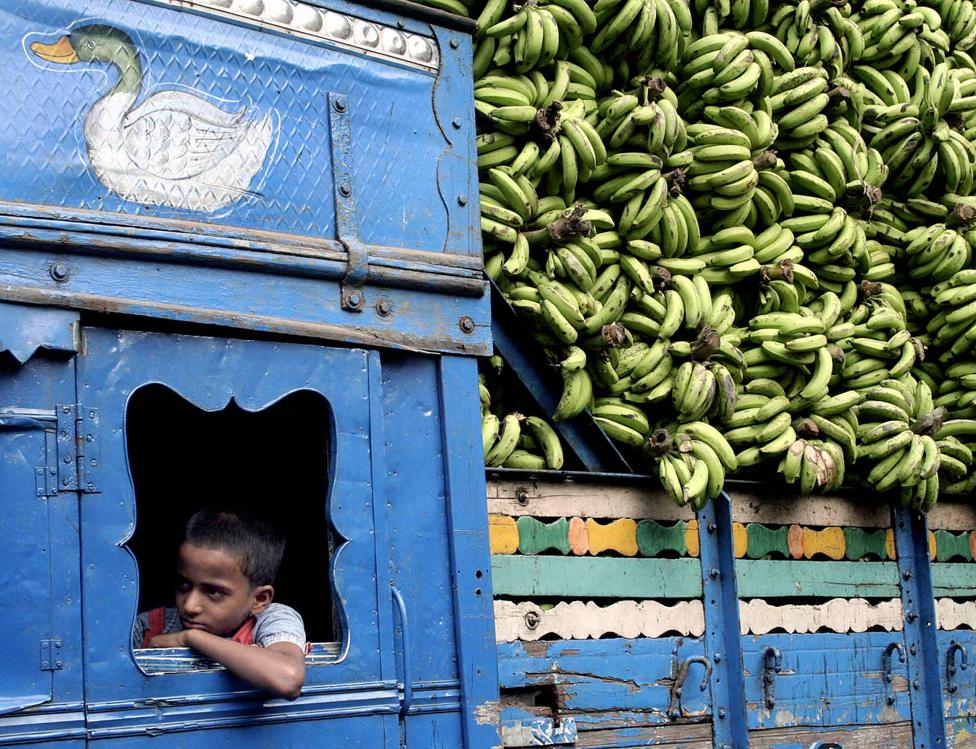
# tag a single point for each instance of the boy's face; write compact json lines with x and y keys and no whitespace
{"x":213,"y":593}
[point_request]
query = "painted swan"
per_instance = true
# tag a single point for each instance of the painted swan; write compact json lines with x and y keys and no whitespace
{"x":175,"y":148}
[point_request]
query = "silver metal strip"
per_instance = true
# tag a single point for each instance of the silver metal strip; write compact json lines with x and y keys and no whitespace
{"x":309,"y":22}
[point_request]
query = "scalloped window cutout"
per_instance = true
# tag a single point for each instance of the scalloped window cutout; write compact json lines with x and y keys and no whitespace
{"x":279,"y":459}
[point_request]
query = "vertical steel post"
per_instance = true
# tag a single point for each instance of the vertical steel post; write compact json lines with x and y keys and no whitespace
{"x":918,"y":609}
{"x":723,"y":645}
{"x":467,"y":516}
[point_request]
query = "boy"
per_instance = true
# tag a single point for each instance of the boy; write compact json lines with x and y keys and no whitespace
{"x":226,"y":566}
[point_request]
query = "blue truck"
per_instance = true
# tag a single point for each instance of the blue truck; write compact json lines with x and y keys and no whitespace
{"x":240,"y":255}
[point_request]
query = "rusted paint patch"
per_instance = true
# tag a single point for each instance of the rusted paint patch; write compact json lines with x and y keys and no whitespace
{"x":488,"y":713}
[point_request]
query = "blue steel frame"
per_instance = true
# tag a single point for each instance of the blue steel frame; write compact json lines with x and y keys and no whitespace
{"x":723,"y":645}
{"x":474,"y":621}
{"x":918,"y":608}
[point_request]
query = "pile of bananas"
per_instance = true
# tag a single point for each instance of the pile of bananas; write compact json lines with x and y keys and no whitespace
{"x":512,"y":440}
{"x":742,"y":232}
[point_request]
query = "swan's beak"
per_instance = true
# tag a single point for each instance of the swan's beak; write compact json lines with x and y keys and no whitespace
{"x":60,"y":52}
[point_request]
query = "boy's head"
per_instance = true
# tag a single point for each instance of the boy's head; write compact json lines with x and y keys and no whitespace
{"x":226,"y":568}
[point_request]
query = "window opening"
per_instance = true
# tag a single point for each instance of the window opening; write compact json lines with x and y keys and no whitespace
{"x":278,"y":460}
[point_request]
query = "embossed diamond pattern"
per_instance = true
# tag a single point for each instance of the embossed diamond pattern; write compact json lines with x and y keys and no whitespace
{"x":44,"y":157}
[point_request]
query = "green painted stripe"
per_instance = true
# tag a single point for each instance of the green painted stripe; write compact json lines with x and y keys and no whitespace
{"x":612,"y":577}
{"x":791,"y":579}
{"x":595,"y":577}
{"x":954,"y":579}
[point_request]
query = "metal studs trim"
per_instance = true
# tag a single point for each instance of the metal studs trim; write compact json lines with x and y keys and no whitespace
{"x":301,"y":19}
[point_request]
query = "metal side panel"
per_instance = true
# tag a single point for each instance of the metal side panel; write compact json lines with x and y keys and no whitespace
{"x":236,"y":164}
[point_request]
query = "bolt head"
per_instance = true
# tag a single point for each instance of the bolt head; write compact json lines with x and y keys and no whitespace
{"x":383,"y":307}
{"x":60,"y":272}
{"x":345,"y":189}
{"x":456,"y":122}
{"x":466,"y":324}
{"x":462,"y":200}
{"x":339,"y":105}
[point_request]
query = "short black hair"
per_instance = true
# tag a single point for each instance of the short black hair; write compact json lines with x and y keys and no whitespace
{"x":246,"y":535}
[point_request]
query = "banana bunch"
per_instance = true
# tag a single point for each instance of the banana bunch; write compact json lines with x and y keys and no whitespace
{"x":953,"y":327}
{"x":693,"y":458}
{"x":897,"y":424}
{"x":959,"y":21}
{"x":737,"y":14}
{"x":818,"y":33}
{"x":644,"y":119}
{"x":938,"y":253}
{"x":728,"y":256}
{"x":729,"y":67}
{"x":651,"y":30}
{"x":957,"y":436}
{"x":900,"y":34}
{"x":798,"y":100}
{"x":761,"y":425}
{"x":817,"y":464}
{"x":623,"y":422}
{"x":633,"y":184}
{"x":781,"y":340}
{"x":833,"y":243}
{"x":729,"y":161}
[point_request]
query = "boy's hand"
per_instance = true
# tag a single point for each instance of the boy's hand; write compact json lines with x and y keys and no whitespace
{"x":174,"y":640}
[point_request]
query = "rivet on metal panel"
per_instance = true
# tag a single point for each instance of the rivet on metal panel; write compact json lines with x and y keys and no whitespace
{"x":59,"y":272}
{"x":456,"y":122}
{"x":339,"y":105}
{"x":522,"y":496}
{"x":454,"y":43}
{"x":721,"y":714}
{"x":912,"y":616}
{"x":346,"y":189}
{"x":466,"y":324}
{"x":713,"y":573}
{"x":532,"y":619}
{"x":906,"y":575}
{"x":915,"y":684}
{"x":710,"y":527}
{"x":383,"y":307}
{"x":717,"y":657}
{"x":462,"y":199}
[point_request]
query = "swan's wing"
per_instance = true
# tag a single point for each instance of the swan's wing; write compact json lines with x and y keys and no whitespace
{"x":175,"y":135}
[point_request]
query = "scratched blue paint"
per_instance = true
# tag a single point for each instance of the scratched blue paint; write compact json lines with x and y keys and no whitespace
{"x":278,"y":81}
{"x":610,"y":683}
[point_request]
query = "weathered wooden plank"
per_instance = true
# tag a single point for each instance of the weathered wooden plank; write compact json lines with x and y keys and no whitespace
{"x":950,"y":614}
{"x":654,"y":538}
{"x":949,"y":546}
{"x":612,"y":577}
{"x":828,"y":542}
{"x":536,"y":537}
{"x":503,"y":537}
{"x":825,"y":680}
{"x":893,"y":735}
{"x":619,"y":536}
{"x":611,"y":683}
{"x":954,"y":579}
{"x":579,"y":620}
{"x":841,"y":615}
{"x":962,"y":731}
{"x":595,"y":577}
{"x":596,"y":500}
{"x":775,"y":507}
{"x":765,"y":541}
{"x":789,"y":578}
{"x":579,"y":536}
{"x":688,"y":735}
{"x":863,"y":544}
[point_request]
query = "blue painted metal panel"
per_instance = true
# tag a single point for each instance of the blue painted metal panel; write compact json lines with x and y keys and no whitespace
{"x":23,"y":330}
{"x":266,"y":91}
{"x":415,"y":499}
{"x":467,"y":521}
{"x":720,"y":601}
{"x":921,"y":646}
{"x":38,"y":533}
{"x":122,"y":699}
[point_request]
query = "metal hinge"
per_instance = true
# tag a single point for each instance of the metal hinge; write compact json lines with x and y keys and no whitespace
{"x":77,"y":454}
{"x":51,"y":655}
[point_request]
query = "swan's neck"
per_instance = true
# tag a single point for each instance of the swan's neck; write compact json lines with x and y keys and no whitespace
{"x":130,"y":72}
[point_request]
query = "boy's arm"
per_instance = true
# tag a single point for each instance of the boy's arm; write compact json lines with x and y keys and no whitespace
{"x":278,"y":669}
